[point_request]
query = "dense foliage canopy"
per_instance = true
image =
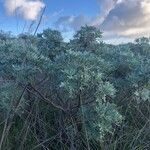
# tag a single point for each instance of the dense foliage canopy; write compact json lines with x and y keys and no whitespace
{"x":83,"y":94}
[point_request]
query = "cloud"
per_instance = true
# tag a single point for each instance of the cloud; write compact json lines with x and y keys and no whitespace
{"x":75,"y":22}
{"x":119,"y":19}
{"x":105,"y":7}
{"x":130,"y":19}
{"x":28,"y":9}
{"x":57,"y":13}
{"x":66,"y":23}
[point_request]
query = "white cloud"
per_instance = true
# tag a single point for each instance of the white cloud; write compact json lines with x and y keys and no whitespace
{"x":129,"y":19}
{"x":57,"y":13}
{"x":105,"y":7}
{"x":66,"y":23}
{"x":118,"y":19}
{"x":28,"y":9}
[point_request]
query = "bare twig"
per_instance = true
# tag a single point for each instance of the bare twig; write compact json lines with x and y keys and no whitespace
{"x":41,"y":17}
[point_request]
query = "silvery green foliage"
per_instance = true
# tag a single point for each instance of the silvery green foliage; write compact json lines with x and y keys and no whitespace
{"x":50,"y":43}
{"x":87,"y":36}
{"x":75,"y":74}
{"x":81,"y":76}
{"x":101,"y":118}
{"x":143,"y":94}
{"x":79,"y":71}
{"x":130,"y":63}
{"x":20,"y":63}
{"x":86,"y":39}
{"x":92,"y":73}
{"x":6,"y":91}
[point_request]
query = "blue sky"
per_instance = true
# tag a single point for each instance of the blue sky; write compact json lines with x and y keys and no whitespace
{"x":54,"y":9}
{"x":120,"y":20}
